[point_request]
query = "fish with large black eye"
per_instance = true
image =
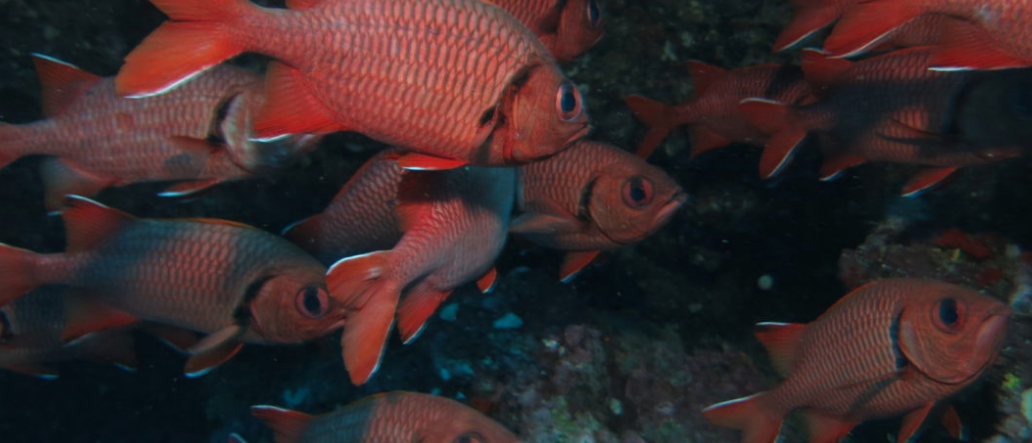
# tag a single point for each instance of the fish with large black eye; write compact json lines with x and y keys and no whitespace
{"x":394,"y":417}
{"x":567,"y":28}
{"x":590,"y":198}
{"x":891,"y":347}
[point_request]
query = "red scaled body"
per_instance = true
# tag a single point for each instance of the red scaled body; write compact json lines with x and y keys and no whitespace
{"x":713,"y":114}
{"x":890,"y":347}
{"x":593,"y":197}
{"x":812,"y":15}
{"x":387,"y":418}
{"x":991,"y":34}
{"x":567,"y":28}
{"x":454,"y":224}
{"x":457,"y":81}
{"x":234,"y":282}
{"x":97,"y":139}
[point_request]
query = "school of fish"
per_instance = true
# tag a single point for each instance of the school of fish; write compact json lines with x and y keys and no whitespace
{"x":487,"y":137}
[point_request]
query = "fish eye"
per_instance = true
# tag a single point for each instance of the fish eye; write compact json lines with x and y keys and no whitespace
{"x":637,"y":192}
{"x":468,"y":438}
{"x":311,"y":302}
{"x":951,"y":314}
{"x":594,"y":14}
{"x":568,"y":102}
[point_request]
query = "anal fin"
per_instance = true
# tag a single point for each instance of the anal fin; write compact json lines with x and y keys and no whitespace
{"x":912,"y":422}
{"x":927,"y":179}
{"x":62,"y":177}
{"x":416,"y":308}
{"x":574,"y":263}
{"x":86,"y":315}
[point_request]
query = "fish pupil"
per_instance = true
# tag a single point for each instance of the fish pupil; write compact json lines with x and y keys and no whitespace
{"x":948,"y":312}
{"x":311,"y":301}
{"x":638,"y":193}
{"x":594,"y":15}
{"x":568,"y":103}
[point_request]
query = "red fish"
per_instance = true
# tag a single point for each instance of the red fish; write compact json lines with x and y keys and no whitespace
{"x":567,"y":28}
{"x":890,"y":347}
{"x":234,"y":282}
{"x":30,"y":336}
{"x":454,"y":225}
{"x":98,"y":139}
{"x":995,"y":35}
{"x":591,"y":198}
{"x":713,"y":113}
{"x":390,"y":417}
{"x":456,"y":81}
{"x":886,"y":108}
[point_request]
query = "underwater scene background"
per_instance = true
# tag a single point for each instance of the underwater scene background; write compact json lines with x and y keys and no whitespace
{"x":634,"y":347}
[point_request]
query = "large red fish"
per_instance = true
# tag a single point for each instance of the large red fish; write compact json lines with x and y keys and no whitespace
{"x":387,"y":418}
{"x":992,"y":34}
{"x":591,"y":198}
{"x":890,"y":347}
{"x":888,"y":108}
{"x":97,"y":139}
{"x":30,"y":336}
{"x":713,"y":114}
{"x":454,"y":224}
{"x":234,"y":282}
{"x":455,"y":81}
{"x":567,"y":28}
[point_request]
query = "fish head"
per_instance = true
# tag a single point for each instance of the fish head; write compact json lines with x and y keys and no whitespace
{"x":234,"y":123}
{"x":580,"y":27}
{"x":951,"y":334}
{"x":631,"y":199}
{"x":292,"y":308}
{"x":542,"y":113}
{"x":466,"y":425}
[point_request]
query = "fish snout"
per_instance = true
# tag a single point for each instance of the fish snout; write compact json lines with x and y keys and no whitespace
{"x":667,"y":211}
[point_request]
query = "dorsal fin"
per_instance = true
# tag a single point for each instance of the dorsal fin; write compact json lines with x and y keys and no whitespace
{"x":704,"y":75}
{"x":88,"y":222}
{"x":781,"y":340}
{"x":62,"y":83}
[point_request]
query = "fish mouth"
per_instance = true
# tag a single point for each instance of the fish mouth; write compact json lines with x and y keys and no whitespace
{"x":578,"y":135}
{"x":667,"y":211}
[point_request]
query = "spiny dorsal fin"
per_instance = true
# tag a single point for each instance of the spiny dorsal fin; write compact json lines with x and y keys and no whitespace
{"x":781,"y":341}
{"x":88,"y":222}
{"x":62,"y":83}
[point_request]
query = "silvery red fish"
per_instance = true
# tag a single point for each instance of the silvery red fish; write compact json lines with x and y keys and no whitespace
{"x":97,"y":139}
{"x":567,"y":28}
{"x":891,"y":347}
{"x":455,"y":81}
{"x":591,"y":198}
{"x":454,"y":224}
{"x":713,"y":113}
{"x":387,"y":418}
{"x":234,"y":282}
{"x":891,"y":108}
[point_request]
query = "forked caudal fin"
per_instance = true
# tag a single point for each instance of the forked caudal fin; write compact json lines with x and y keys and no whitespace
{"x":867,"y":24}
{"x":194,"y":39}
{"x":810,"y":16}
{"x":746,"y":414}
{"x":361,"y":284}
{"x":659,"y":117}
{"x":774,"y":118}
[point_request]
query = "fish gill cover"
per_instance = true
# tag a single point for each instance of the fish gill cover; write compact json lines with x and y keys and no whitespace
{"x":648,"y":332}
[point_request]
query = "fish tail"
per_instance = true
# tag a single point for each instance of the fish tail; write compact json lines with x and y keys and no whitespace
{"x":11,"y":143}
{"x":305,"y":233}
{"x":288,"y":426}
{"x":810,"y":16}
{"x":196,"y":37}
{"x":867,"y":24}
{"x":361,"y":284}
{"x":776,"y":119}
{"x":659,"y":117}
{"x":17,"y":273}
{"x":748,"y":415}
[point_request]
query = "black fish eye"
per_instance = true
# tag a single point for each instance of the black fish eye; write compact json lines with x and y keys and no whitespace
{"x":568,"y":102}
{"x":594,"y":14}
{"x":637,"y":192}
{"x":949,"y":313}
{"x":311,"y":302}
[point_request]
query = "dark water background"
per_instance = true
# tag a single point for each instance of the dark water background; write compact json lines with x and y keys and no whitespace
{"x":662,"y":327}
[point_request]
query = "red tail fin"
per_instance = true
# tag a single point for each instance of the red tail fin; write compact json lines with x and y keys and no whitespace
{"x":420,"y":303}
{"x":288,"y":425}
{"x":659,"y":117}
{"x":10,"y":144}
{"x":360,"y":283}
{"x":867,"y":24}
{"x":747,"y":415}
{"x":810,"y":16}
{"x":16,"y":273}
{"x":774,"y":118}
{"x":195,"y":39}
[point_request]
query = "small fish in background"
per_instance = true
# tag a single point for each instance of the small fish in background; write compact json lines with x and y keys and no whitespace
{"x":590,"y":198}
{"x":991,"y":34}
{"x":97,"y":139}
{"x":713,"y":113}
{"x":455,"y":224}
{"x":890,"y":347}
{"x":30,"y":337}
{"x":234,"y":282}
{"x":567,"y":28}
{"x":885,"y":108}
{"x":813,"y":15}
{"x":463,"y":82}
{"x":392,"y":417}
